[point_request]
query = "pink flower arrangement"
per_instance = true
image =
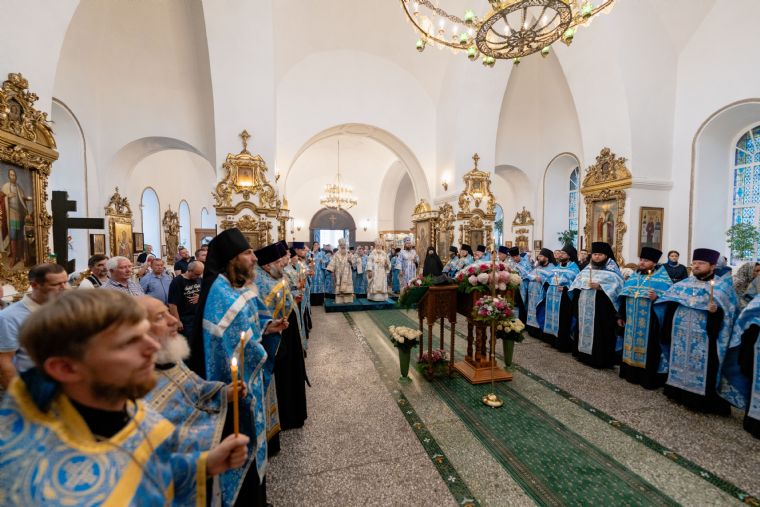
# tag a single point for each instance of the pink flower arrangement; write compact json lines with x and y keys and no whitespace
{"x":478,"y":276}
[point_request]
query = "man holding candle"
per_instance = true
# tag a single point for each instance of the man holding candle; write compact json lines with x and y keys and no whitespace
{"x":228,"y":306}
{"x":596,"y":302}
{"x":523,"y":268}
{"x":643,"y":360}
{"x":538,"y":282}
{"x":74,"y":430}
{"x":290,"y":369}
{"x":697,"y":326}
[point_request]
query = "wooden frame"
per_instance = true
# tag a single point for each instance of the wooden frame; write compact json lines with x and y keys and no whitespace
{"x":119,"y":217}
{"x":27,"y":147}
{"x":538,"y":244}
{"x":138,"y":240}
{"x":651,"y":227}
{"x":604,"y":194}
{"x":97,"y":244}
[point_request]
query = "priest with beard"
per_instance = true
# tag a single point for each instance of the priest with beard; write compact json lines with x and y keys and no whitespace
{"x":290,"y":368}
{"x":522,"y":266}
{"x":643,"y":361}
{"x":558,"y":325}
{"x":196,"y":407}
{"x":231,"y":316}
{"x":595,"y":305}
{"x":697,"y":328}
{"x":538,"y":282}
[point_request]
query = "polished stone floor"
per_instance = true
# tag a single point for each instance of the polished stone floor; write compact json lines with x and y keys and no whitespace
{"x":358,"y":447}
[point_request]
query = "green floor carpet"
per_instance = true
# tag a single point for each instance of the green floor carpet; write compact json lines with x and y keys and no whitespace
{"x":554,"y":465}
{"x":358,"y":305}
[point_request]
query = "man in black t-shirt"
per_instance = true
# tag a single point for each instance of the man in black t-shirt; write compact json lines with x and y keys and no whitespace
{"x":183,"y":296}
{"x":180,"y":267}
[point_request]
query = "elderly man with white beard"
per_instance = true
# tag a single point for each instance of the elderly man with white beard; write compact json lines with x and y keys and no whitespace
{"x":195,"y":406}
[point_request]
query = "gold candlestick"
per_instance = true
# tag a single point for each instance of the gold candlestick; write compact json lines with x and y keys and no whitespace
{"x":235,"y":408}
{"x":491,"y":399}
{"x":712,"y":288}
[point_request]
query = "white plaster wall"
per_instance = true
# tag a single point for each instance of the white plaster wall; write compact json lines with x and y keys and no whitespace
{"x":363,"y":162}
{"x":344,"y":87}
{"x":713,"y":72}
{"x":175,"y":175}
{"x":404,"y":205}
{"x":556,"y":199}
{"x":136,"y":69}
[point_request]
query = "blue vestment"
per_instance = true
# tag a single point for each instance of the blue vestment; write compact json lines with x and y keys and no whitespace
{"x":359,"y":275}
{"x":537,"y":280}
{"x":51,"y":458}
{"x":229,"y":312}
{"x":562,"y":276}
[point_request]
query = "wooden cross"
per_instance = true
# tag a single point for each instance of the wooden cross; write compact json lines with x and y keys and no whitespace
{"x":332,"y":220}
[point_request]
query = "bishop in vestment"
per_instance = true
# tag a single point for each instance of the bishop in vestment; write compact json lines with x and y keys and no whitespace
{"x":408,"y":262}
{"x":378,"y":266}
{"x":341,"y":268}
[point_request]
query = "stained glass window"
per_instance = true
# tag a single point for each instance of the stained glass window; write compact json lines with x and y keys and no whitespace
{"x":746,"y":180}
{"x":572,"y":209}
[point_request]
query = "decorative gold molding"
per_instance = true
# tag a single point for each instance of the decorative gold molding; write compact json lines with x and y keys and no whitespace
{"x":422,"y":207}
{"x":608,"y":172}
{"x":118,"y":211}
{"x":171,"y":233}
{"x":522,"y":218}
{"x":477,"y":188}
{"x":27,"y":141}
{"x":619,"y":196}
{"x":258,"y":231}
{"x":245,"y":175}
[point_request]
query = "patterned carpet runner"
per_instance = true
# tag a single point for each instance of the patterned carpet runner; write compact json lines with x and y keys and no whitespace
{"x":554,"y":465}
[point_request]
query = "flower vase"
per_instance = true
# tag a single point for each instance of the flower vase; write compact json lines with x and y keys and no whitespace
{"x":509,"y":349}
{"x":404,"y":356}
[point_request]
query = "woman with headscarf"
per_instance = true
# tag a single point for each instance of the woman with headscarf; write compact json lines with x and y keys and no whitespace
{"x":433,"y":265}
{"x":743,"y":279}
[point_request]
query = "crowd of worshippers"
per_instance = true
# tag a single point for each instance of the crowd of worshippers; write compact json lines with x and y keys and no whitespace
{"x":693,"y":332}
{"x":124,"y":394}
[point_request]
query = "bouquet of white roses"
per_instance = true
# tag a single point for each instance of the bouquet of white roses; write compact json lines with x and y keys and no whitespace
{"x":404,"y":337}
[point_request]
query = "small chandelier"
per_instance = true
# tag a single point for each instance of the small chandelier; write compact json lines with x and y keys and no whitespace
{"x":511,"y":29}
{"x":337,"y":195}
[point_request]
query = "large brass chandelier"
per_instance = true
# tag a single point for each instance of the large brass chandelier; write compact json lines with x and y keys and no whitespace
{"x":337,"y":195}
{"x":510,"y":30}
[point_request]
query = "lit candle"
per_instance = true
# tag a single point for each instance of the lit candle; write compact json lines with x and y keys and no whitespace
{"x":590,"y":274}
{"x":235,"y":409}
{"x":242,"y":356}
{"x":712,"y":287}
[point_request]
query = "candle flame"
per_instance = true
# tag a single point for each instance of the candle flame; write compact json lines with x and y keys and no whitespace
{"x":234,"y":362}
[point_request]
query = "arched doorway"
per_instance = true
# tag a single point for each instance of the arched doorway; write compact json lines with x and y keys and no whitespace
{"x":328,"y":225}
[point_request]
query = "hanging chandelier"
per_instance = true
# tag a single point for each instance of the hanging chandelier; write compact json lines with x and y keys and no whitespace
{"x":337,"y":195}
{"x":510,"y":30}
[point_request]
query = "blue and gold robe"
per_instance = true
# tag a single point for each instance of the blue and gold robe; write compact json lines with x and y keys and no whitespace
{"x":538,"y":281}
{"x":690,"y":368}
{"x":320,"y":273}
{"x":450,"y":268}
{"x":359,"y":274}
{"x":562,"y":276}
{"x":229,"y":312}
{"x":51,"y":458}
{"x":596,"y":312}
{"x":742,"y":389}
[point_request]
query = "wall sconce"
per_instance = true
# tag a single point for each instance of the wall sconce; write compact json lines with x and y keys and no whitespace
{"x":366,"y":224}
{"x":277,"y":175}
{"x":298,"y":225}
{"x":445,"y":183}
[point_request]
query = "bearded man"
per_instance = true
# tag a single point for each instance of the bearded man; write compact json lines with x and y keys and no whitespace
{"x":340,"y":266}
{"x":697,"y":328}
{"x":378,"y":267}
{"x":230,"y":317}
{"x":538,"y":282}
{"x":596,"y":302}
{"x":78,"y":412}
{"x":196,"y":407}
{"x":290,"y":368}
{"x":523,"y":268}
{"x":408,"y":262}
{"x":558,"y":325}
{"x":643,"y":361}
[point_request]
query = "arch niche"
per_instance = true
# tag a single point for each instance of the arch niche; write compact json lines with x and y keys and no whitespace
{"x":332,"y":219}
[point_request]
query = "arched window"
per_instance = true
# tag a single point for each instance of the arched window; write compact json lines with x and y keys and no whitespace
{"x":151,"y":219}
{"x":184,"y":225}
{"x":498,"y":226}
{"x":745,"y":200}
{"x":572,"y":208}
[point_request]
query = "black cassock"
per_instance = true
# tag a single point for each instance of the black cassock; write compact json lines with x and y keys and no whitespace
{"x":565,"y":331}
{"x":747,"y":365}
{"x":647,"y":377}
{"x":290,"y":376}
{"x":605,"y":331}
{"x":710,"y":402}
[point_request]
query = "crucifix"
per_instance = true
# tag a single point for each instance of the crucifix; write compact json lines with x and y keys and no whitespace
{"x":332,"y":220}
{"x":62,"y":223}
{"x":244,"y":135}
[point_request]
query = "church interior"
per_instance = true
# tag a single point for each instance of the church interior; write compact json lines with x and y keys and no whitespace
{"x":384,"y":125}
